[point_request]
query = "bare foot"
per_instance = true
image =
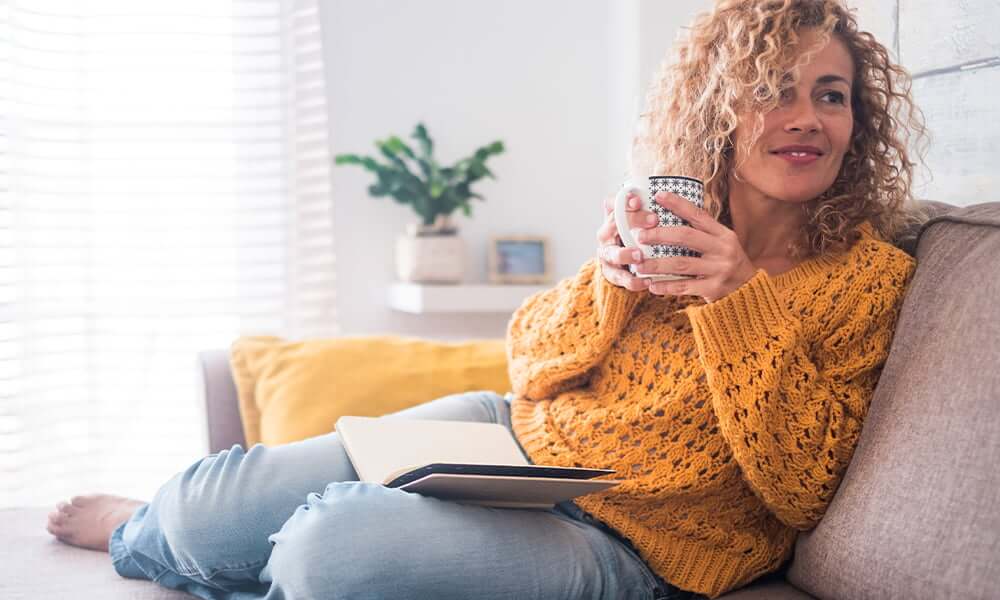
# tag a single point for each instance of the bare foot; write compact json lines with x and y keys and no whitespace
{"x":87,"y":521}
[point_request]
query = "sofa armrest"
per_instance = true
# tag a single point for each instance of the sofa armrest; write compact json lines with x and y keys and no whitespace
{"x":222,"y":409}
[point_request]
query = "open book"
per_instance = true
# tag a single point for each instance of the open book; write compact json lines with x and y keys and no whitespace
{"x":475,"y":463}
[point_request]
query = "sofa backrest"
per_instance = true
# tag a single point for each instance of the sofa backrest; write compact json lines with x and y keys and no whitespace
{"x":917,"y":515}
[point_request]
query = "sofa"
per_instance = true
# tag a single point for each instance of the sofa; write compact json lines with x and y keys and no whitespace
{"x":916,"y":517}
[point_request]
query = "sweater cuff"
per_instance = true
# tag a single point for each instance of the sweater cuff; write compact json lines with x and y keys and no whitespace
{"x":611,"y":299}
{"x":741,"y":321}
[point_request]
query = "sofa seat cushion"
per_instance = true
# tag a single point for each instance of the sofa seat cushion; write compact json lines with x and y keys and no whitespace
{"x":769,"y":590}
{"x":37,"y":566}
{"x":917,"y":514}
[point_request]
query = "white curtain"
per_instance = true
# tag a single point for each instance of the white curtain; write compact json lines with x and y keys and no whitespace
{"x":164,"y":188}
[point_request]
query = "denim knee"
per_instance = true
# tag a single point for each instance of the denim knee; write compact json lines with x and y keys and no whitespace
{"x":363,"y":541}
{"x":347,"y":544}
{"x":203,"y":517}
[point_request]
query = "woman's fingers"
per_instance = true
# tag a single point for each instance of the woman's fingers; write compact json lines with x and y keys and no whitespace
{"x":638,"y":219}
{"x":623,"y":278}
{"x":607,"y":232}
{"x":614,"y":258}
{"x":614,"y":261}
{"x":634,"y":203}
{"x":680,"y":235}
{"x":678,"y":265}
{"x":644,"y":218}
{"x":616,"y":255}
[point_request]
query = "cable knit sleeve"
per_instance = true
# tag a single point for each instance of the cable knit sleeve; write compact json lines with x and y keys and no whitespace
{"x":556,"y":336}
{"x":791,"y":408}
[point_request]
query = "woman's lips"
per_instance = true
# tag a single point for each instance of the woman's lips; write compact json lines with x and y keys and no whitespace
{"x":798,"y":158}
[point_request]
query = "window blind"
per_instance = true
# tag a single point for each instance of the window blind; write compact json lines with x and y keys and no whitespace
{"x":164,"y":188}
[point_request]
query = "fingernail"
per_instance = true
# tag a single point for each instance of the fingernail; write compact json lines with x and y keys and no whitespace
{"x":633,"y":203}
{"x":645,"y":283}
{"x":637,"y":255}
{"x":652,"y":220}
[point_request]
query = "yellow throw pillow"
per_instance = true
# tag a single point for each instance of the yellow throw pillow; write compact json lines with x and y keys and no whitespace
{"x":290,"y":391}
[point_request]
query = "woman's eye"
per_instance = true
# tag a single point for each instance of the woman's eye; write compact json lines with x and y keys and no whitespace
{"x":837,"y":97}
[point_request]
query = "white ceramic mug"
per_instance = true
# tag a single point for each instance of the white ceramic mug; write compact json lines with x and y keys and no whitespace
{"x":689,"y":188}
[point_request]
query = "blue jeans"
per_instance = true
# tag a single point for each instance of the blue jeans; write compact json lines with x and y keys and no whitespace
{"x":292,"y":521}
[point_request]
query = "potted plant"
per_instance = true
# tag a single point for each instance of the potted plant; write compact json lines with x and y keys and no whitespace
{"x":429,"y":251}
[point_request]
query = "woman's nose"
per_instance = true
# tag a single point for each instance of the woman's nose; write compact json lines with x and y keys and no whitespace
{"x":802,"y":117}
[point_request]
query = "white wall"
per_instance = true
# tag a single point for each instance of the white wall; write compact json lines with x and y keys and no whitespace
{"x":953,"y":51}
{"x":534,"y":74}
{"x":623,"y":72}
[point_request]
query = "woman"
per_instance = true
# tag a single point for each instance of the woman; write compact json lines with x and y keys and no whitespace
{"x":730,"y":403}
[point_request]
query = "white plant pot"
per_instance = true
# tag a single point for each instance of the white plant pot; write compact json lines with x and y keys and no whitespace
{"x":430,"y":258}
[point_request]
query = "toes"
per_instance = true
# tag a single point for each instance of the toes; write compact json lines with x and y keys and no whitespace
{"x":82,"y":501}
{"x":60,"y":519}
{"x":68,"y":510}
{"x":56,"y":527}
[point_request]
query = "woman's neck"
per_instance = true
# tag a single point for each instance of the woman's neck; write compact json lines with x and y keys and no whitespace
{"x":765,"y":226}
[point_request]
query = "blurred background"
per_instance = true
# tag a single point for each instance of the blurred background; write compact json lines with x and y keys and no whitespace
{"x":167,"y":184}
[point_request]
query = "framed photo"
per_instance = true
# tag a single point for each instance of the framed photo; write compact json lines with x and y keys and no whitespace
{"x":519,"y":259}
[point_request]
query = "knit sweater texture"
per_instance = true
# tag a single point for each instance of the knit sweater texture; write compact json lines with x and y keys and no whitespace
{"x":730,"y":422}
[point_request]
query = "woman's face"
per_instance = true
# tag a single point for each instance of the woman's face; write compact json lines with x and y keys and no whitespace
{"x":815,"y":115}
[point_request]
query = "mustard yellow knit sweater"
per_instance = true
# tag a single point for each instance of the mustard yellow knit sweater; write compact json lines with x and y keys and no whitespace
{"x":731,"y":422}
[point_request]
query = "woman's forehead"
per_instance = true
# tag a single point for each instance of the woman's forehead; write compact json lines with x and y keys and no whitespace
{"x":831,"y":59}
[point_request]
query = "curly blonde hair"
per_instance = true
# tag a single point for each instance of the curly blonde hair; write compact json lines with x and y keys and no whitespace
{"x":738,"y":58}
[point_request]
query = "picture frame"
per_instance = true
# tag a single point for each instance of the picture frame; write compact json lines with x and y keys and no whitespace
{"x":519,"y":259}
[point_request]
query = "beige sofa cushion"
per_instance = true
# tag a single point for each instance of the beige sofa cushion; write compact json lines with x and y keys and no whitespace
{"x":918,"y":513}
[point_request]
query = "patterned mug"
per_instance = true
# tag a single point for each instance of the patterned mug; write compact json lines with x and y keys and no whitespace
{"x":689,"y":188}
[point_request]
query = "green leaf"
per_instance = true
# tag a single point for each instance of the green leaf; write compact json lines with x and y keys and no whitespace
{"x":364,"y":161}
{"x":450,"y":200}
{"x":395,"y":144}
{"x":388,"y":152}
{"x":442,"y":189}
{"x":347,"y":159}
{"x":476,"y":171}
{"x":436,"y":189}
{"x":426,"y":168}
{"x":426,"y":145}
{"x":371,"y":164}
{"x":487,"y":151}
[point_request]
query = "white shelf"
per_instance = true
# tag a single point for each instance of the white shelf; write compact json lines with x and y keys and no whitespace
{"x":420,"y":298}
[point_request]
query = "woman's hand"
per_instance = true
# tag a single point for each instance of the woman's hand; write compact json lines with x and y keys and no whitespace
{"x":723,"y":266}
{"x":612,"y":255}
